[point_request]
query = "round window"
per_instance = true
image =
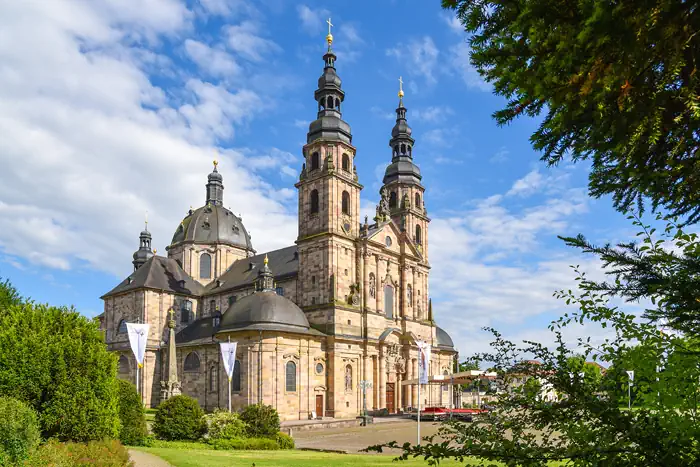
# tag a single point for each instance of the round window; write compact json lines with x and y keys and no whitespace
{"x":319,"y":368}
{"x":388,"y":241}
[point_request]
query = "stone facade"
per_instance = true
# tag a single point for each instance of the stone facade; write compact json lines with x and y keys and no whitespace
{"x":363,"y":288}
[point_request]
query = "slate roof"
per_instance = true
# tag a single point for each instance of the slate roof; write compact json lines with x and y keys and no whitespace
{"x":284,"y":263}
{"x":443,"y":339}
{"x":265,"y":311}
{"x":200,"y":331}
{"x":212,"y":224}
{"x":159,"y":273}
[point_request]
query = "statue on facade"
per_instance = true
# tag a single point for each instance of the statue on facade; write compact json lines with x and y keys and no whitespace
{"x":383,"y":211}
{"x":348,"y":378}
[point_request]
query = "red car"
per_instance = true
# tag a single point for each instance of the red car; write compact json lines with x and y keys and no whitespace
{"x":442,"y":413}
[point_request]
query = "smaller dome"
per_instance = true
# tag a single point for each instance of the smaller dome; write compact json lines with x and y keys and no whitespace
{"x":329,"y":78}
{"x":403,"y":170}
{"x":264,"y":311}
{"x":443,"y":339}
{"x":401,"y":128}
{"x":215,"y":176}
{"x":212,"y":224}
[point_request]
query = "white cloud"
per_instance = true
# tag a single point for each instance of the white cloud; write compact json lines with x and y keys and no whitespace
{"x":90,"y":143}
{"x":301,"y":123}
{"x":440,"y":137}
{"x":382,"y":113}
{"x":227,"y":7}
{"x":245,"y":40}
{"x":452,"y":22}
{"x":431,"y":114}
{"x":313,"y":21}
{"x":462,"y":65}
{"x":421,"y":55}
{"x":215,"y":62}
{"x":500,"y":156}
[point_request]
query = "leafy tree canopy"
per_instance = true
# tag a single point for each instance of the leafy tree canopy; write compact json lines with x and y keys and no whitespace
{"x":617,"y":82}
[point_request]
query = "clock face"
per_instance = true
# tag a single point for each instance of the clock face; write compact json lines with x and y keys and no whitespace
{"x":388,"y":241}
{"x":347,"y":226}
{"x":319,"y":368}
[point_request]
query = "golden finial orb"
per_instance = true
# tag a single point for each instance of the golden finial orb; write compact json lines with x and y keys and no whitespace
{"x":400,"y":87}
{"x":155,"y":251}
{"x":265,"y":261}
{"x":329,"y":37}
{"x":216,"y":163}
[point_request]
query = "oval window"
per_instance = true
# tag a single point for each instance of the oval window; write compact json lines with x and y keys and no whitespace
{"x":319,"y":368}
{"x":388,"y":241}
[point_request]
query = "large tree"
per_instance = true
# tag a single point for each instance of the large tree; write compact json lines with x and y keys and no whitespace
{"x":617,"y":82}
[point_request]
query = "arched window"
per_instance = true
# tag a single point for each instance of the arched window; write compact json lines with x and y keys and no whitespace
{"x":346,"y":203}
{"x":346,"y":163}
{"x":396,"y":150}
{"x":191,"y":362}
{"x":393,"y":200}
{"x":329,"y":102}
{"x":212,"y":306}
{"x":217,"y":319}
{"x":403,"y":149}
{"x":409,"y":295}
{"x":419,"y":239}
{"x":389,"y":301}
{"x":236,"y":377}
{"x":121,"y":329}
{"x":231,"y":300}
{"x":371,"y":285}
{"x":124,"y":366}
{"x":315,"y":161}
{"x":445,"y":387}
{"x":205,"y":266}
{"x":212,"y":379}
{"x":185,"y":311}
{"x":291,"y":377}
{"x":418,"y":205}
{"x":348,"y":378}
{"x":337,"y":104}
{"x":279,"y":291}
{"x":314,"y":201}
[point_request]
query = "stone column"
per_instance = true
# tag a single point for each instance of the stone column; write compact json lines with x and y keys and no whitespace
{"x":415,"y":292}
{"x":365,"y":281}
{"x":409,"y":376}
{"x":382,"y":382}
{"x":378,"y":290}
{"x":404,"y":291}
{"x":414,"y":371}
{"x":399,"y":391}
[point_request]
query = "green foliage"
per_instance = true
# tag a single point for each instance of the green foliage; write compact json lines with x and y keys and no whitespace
{"x":179,"y":445}
{"x":252,"y":444}
{"x":225,"y":425}
{"x":19,"y":430}
{"x":55,"y":359}
{"x":617,"y":82}
{"x":133,"y":430}
{"x":109,"y":453}
{"x":8,"y":295}
{"x":179,"y":418}
{"x":263,"y":421}
{"x":285,"y":441}
{"x":585,"y":425}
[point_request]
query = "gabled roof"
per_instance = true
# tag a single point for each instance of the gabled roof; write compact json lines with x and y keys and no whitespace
{"x":283,"y":263}
{"x":200,"y":331}
{"x":159,"y":273}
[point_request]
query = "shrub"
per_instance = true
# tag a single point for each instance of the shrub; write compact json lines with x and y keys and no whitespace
{"x":110,"y":453}
{"x":55,"y":360}
{"x":131,"y":415}
{"x":225,"y":425}
{"x":19,"y":430}
{"x":179,"y":418}
{"x":253,"y":444}
{"x":263,"y":421}
{"x":285,"y":441}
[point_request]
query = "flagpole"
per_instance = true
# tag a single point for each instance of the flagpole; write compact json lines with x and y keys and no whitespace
{"x":418,"y":408}
{"x":229,"y":378}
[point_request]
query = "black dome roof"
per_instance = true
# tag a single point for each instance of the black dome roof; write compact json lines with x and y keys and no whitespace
{"x":212,"y":224}
{"x":265,"y":311}
{"x":443,"y":339}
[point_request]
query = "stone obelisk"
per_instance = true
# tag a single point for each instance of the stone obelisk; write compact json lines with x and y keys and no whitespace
{"x":172,"y":386}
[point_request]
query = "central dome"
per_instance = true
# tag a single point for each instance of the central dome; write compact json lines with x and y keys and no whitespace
{"x":212,"y":224}
{"x":265,"y":311}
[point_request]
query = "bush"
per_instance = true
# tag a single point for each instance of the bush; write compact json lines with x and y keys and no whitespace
{"x":110,"y":453}
{"x":55,"y":360}
{"x":133,"y":430}
{"x":285,"y":441}
{"x":19,"y":430}
{"x":251,"y":444}
{"x":225,"y":425}
{"x":263,"y":421}
{"x":179,"y":418}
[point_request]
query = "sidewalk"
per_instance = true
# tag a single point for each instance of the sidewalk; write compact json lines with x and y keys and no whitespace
{"x":144,"y":459}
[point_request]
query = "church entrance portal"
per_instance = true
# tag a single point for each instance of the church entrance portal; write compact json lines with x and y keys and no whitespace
{"x":390,"y":397}
{"x":319,"y":405}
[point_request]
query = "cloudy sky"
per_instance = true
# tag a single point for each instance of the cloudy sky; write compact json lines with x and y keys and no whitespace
{"x":111,"y":108}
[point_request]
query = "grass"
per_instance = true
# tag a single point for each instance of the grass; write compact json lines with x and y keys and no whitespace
{"x":210,"y":458}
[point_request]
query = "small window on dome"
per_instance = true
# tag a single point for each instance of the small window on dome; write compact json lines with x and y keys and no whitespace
{"x":236,"y":230}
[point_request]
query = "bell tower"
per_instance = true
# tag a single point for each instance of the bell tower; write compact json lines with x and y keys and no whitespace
{"x":329,"y":198}
{"x":402,"y":183}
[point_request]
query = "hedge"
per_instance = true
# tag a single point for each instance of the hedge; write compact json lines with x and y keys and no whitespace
{"x":179,"y":418}
{"x":19,"y":430}
{"x":133,"y":429}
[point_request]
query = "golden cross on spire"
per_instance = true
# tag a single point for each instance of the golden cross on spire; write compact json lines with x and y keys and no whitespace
{"x":400,"y":87}
{"x":216,"y":163}
{"x":329,"y":37}
{"x":172,"y":312}
{"x":265,"y":259}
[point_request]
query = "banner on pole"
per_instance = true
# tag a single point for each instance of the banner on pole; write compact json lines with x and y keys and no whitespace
{"x":228,"y":354}
{"x":423,"y":362}
{"x":138,"y":334}
{"x":631,"y":375}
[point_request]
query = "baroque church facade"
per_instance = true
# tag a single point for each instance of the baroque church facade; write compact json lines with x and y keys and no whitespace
{"x":347,"y":303}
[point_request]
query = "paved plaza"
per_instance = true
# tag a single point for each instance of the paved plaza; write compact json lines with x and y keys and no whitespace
{"x":354,"y":439}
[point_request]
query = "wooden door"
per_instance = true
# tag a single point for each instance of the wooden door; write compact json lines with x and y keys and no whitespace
{"x":319,"y":405}
{"x":390,"y":397}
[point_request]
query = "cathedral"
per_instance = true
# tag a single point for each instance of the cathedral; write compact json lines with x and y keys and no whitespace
{"x":319,"y":323}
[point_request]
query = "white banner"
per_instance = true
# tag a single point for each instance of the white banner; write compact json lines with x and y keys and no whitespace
{"x":138,"y":334}
{"x":631,"y":375}
{"x":228,"y":353}
{"x":423,"y":362}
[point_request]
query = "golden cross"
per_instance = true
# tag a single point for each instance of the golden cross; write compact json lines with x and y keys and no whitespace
{"x":329,"y":25}
{"x":172,"y":312}
{"x":400,"y":87}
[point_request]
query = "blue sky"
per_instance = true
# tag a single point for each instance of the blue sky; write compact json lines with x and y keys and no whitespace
{"x":111,"y":109}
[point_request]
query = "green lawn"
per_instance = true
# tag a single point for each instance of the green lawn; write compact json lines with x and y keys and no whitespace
{"x":210,"y":458}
